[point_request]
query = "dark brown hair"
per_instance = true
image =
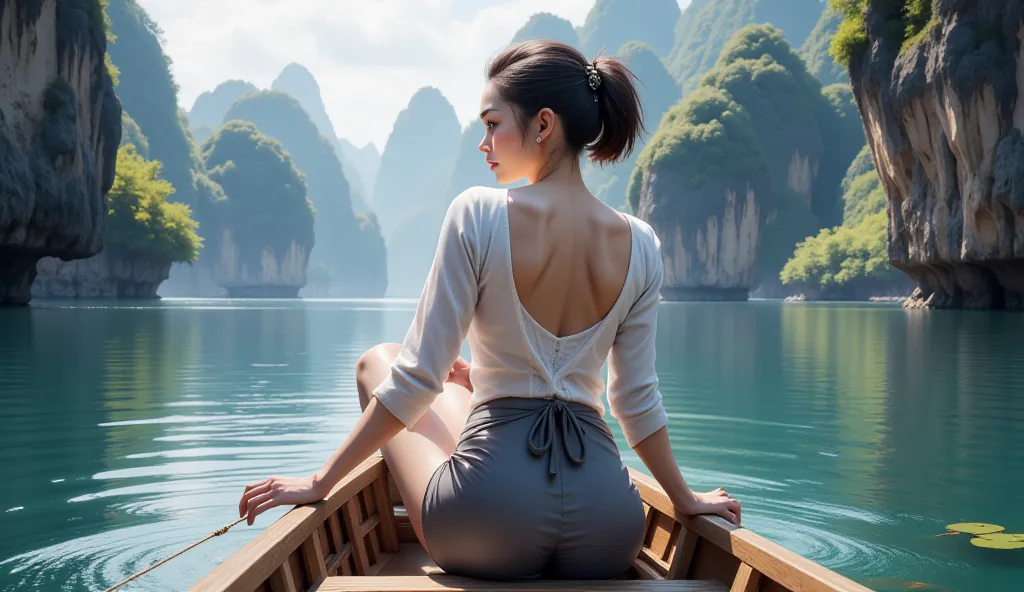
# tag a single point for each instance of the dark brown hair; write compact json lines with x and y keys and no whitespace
{"x":533,"y":75}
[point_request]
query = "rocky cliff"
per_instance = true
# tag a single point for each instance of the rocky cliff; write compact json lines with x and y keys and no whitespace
{"x":941,"y":98}
{"x":280,"y":116}
{"x":701,"y":183}
{"x":60,"y":126}
{"x":106,"y":275}
{"x":267,"y":220}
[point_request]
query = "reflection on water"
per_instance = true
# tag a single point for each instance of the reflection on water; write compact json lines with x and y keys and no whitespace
{"x":852,"y":433}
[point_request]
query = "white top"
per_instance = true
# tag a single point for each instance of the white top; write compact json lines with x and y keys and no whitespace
{"x":470,"y":291}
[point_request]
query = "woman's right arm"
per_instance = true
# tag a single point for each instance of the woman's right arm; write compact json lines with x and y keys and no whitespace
{"x":636,"y":403}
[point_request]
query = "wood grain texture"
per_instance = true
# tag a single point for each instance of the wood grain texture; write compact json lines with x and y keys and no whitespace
{"x":433,"y":583}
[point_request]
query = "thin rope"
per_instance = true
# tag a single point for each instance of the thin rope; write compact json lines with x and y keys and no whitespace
{"x":215,"y":533}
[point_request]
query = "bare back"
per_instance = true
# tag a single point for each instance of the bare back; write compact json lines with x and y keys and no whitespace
{"x":570,"y":258}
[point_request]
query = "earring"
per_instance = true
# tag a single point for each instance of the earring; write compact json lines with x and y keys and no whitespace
{"x":538,"y":139}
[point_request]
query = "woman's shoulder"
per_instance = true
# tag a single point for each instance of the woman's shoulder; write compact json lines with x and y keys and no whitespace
{"x":646,"y":236}
{"x":478,"y":204}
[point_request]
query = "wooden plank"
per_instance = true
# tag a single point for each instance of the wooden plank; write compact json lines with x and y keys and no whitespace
{"x":645,"y":571}
{"x":446,"y":582}
{"x":350,"y":512}
{"x":406,"y":533}
{"x":313,"y":554}
{"x":655,"y":562}
{"x":679,"y":565}
{"x":283,"y":580}
{"x":368,"y":525}
{"x":792,"y":571}
{"x":334,"y":526}
{"x":747,"y":579}
{"x":248,"y":568}
{"x":386,"y":511}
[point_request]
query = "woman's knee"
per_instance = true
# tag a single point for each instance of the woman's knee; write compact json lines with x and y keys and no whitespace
{"x":372,"y":367}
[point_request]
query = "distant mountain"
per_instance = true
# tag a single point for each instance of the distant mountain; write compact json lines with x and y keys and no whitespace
{"x":300,"y":83}
{"x":362,"y":162}
{"x":410,"y":196}
{"x":545,"y":25}
{"x":209,"y":108}
{"x":706,"y":25}
{"x":338,"y":236}
{"x":613,"y":23}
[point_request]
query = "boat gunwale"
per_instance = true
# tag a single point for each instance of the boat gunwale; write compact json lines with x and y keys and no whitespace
{"x":761,"y":562}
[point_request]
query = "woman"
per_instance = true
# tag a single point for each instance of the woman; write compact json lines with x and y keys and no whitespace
{"x":507,"y":468}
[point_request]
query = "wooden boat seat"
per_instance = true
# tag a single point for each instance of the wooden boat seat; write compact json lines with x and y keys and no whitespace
{"x":445,"y":582}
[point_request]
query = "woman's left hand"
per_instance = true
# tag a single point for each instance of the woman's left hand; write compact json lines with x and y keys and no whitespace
{"x":276,"y":491}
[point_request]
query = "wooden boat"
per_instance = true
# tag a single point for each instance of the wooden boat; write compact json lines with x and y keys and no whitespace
{"x":359,"y":538}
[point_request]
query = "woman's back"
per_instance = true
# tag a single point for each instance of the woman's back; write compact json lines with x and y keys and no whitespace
{"x":570,"y":257}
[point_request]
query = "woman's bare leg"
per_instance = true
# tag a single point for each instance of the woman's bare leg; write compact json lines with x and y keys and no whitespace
{"x":415,"y":453}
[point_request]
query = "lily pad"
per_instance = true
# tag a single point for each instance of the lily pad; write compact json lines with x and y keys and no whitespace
{"x":1002,"y":536}
{"x":976,"y":528}
{"x":990,"y":544}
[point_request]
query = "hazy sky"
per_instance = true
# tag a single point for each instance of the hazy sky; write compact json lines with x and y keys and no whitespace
{"x":369,"y":56}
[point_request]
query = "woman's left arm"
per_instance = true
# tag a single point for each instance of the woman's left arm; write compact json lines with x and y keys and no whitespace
{"x":417,"y":376}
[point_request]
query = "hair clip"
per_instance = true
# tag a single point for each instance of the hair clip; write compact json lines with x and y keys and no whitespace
{"x":593,"y":78}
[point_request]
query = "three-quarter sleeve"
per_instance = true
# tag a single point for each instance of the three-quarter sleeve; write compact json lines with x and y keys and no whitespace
{"x":443,"y":316}
{"x":633,"y":394}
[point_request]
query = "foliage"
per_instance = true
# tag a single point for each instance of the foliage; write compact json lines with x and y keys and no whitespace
{"x":131,"y":134}
{"x":706,"y":25}
{"x":705,"y":138}
{"x":545,"y":25}
{"x":266,"y":203}
{"x":147,"y":91}
{"x":612,"y":23}
{"x":906,"y":22}
{"x":281,"y":117}
{"x":863,"y":193}
{"x":841,"y":255}
{"x":851,"y":259}
{"x":141,"y":220}
{"x":815,"y":51}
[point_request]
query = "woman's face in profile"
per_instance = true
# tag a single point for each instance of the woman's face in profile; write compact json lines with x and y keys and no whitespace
{"x":509,"y":156}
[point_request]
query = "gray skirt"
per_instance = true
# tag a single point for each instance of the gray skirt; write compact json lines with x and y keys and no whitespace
{"x":535,"y":489}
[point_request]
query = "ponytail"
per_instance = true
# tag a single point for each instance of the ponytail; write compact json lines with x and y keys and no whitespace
{"x":620,"y":109}
{"x":597,"y":102}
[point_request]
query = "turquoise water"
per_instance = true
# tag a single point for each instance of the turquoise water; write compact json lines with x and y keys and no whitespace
{"x":852,"y":433}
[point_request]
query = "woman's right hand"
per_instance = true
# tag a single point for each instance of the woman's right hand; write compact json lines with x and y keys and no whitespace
{"x":715,"y":502}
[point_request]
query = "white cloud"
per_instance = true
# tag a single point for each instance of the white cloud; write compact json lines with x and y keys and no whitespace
{"x":369,"y":56}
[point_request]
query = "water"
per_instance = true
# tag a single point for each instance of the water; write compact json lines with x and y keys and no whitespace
{"x":852,"y":433}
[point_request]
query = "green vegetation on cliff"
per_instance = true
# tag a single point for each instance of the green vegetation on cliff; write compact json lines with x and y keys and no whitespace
{"x":846,"y":261}
{"x":905,"y":21}
{"x":705,"y":139}
{"x":707,"y":25}
{"x":131,"y":134}
{"x":141,"y":221}
{"x":148,"y":91}
{"x":815,"y":51}
{"x":545,"y":25}
{"x":807,"y":145}
{"x":850,"y":261}
{"x":339,"y":238}
{"x":610,"y":24}
{"x":266,"y":205}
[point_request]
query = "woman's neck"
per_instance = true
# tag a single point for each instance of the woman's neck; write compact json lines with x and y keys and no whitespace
{"x":565,"y":173}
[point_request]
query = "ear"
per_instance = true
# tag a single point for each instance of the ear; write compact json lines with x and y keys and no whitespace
{"x":545,"y":121}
